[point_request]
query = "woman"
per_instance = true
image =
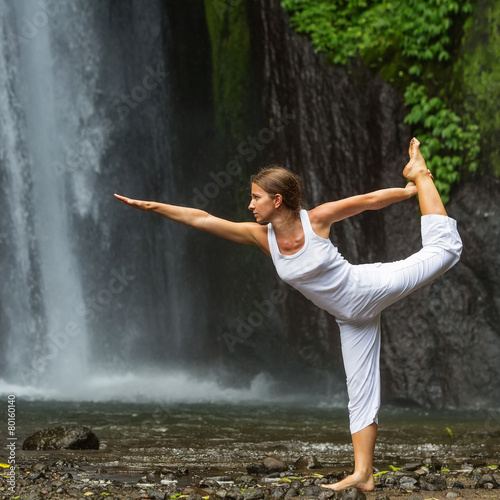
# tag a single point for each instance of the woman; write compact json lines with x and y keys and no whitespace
{"x":297,"y":241}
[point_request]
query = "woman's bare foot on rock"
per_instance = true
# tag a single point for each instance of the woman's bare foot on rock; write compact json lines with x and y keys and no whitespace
{"x":356,"y":480}
{"x":416,"y":166}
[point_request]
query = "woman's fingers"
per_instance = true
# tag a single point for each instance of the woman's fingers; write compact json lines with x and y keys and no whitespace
{"x":140,"y":205}
{"x":127,"y":201}
{"x":123,"y":199}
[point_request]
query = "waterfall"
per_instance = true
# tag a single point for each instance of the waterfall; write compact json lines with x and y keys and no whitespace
{"x":22,"y":309}
{"x":98,"y":301}
{"x":49,"y":342}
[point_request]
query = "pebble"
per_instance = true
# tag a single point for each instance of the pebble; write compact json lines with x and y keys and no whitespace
{"x":234,"y":494}
{"x":194,"y":490}
{"x":326,"y":494}
{"x":311,"y":491}
{"x":407,"y":483}
{"x":307,"y":462}
{"x":422,"y":471}
{"x":352,"y":494}
{"x":487,"y":481}
{"x":411,"y":466}
{"x":253,"y":494}
{"x":273,"y":464}
{"x":278,"y":493}
{"x":156,"y":495}
{"x":245,"y":479}
{"x":291,"y":493}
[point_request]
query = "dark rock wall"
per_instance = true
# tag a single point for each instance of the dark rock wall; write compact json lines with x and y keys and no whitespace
{"x":440,"y":346}
{"x":345,"y":135}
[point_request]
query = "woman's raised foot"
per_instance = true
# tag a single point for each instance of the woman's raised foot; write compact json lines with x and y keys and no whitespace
{"x":416,"y":166}
{"x":357,"y":480}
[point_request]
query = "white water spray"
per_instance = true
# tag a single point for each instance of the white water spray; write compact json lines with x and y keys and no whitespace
{"x":62,"y":360}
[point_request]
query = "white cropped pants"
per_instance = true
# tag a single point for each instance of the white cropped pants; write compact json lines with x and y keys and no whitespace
{"x":375,"y":287}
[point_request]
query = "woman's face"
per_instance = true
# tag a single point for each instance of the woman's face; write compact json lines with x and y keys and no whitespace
{"x":262,"y":205}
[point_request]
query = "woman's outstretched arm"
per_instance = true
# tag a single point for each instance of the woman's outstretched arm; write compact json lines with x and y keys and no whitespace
{"x":249,"y":233}
{"x":323,"y":216}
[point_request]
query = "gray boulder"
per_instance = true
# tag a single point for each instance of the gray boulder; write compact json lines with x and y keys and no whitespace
{"x":268,"y":465}
{"x":64,"y":437}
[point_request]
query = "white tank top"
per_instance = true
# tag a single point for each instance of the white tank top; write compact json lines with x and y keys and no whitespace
{"x":317,"y":270}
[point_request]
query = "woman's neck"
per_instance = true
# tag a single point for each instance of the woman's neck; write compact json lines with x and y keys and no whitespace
{"x":286,"y":223}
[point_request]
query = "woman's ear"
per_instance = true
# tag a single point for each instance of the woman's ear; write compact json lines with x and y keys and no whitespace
{"x":278,"y":200}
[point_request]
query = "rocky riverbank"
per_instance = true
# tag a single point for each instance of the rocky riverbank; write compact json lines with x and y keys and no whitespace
{"x":44,"y":476}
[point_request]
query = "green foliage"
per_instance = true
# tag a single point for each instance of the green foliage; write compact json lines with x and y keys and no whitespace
{"x":410,"y":43}
{"x":448,"y":141}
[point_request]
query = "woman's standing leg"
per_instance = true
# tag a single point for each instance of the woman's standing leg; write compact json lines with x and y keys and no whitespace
{"x":363,"y":443}
{"x":361,"y":353}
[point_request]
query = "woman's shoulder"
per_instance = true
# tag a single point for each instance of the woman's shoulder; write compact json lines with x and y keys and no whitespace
{"x":318,"y":217}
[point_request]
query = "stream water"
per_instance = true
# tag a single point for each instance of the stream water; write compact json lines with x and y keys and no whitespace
{"x":136,"y":439}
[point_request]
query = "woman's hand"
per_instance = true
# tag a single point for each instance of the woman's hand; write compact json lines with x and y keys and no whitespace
{"x":145,"y":206}
{"x":412,"y":188}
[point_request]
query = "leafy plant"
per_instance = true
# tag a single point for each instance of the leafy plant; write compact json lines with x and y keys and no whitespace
{"x":411,"y":43}
{"x":448,"y":141}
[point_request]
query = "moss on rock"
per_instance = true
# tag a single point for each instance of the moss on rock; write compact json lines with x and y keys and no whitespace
{"x":230,"y":38}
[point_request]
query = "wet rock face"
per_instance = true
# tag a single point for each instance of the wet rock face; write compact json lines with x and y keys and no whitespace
{"x":62,"y":438}
{"x":347,"y":136}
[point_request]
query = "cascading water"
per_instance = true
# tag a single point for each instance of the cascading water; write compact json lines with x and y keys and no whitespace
{"x":51,"y":346}
{"x":96,"y":302}
{"x":22,"y":309}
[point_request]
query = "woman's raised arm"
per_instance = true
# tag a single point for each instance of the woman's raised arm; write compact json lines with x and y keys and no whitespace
{"x":323,"y":216}
{"x":248,"y":233}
